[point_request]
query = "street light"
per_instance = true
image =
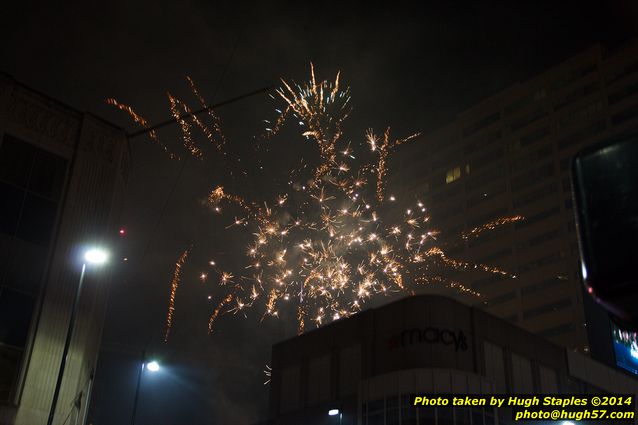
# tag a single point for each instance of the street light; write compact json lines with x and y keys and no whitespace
{"x":96,"y":256}
{"x":335,"y":412}
{"x":93,"y":256}
{"x":152,"y":366}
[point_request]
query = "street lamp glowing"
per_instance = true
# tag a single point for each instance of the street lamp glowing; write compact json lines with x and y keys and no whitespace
{"x":96,"y":256}
{"x":333,"y":412}
{"x":568,"y":423}
{"x":153,"y":366}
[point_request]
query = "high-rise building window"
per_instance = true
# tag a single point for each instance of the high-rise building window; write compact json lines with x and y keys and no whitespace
{"x":623,"y":93}
{"x":453,"y":175}
{"x":572,"y":76}
{"x":532,"y":177}
{"x":482,"y":123}
{"x":625,"y":115}
{"x":582,"y":135}
{"x":535,"y":195}
{"x":619,"y":74}
{"x":584,"y":113}
{"x":541,"y":216}
{"x":577,"y":94}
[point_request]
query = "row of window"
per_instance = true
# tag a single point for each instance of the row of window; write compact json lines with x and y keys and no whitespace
{"x":498,"y":255}
{"x":532,"y":157}
{"x":487,"y":217}
{"x":621,"y":73}
{"x":577,"y":137}
{"x":540,"y":94}
{"x":578,"y":115}
{"x":537,"y":217}
{"x":577,"y":94}
{"x":501,"y":299}
{"x":479,"y":198}
{"x":547,"y":308}
{"x":488,"y":236}
{"x":625,"y":115}
{"x":535,"y":195}
{"x":532,"y":176}
{"x":543,"y":285}
{"x":623,"y":93}
{"x":581,"y":114}
{"x":540,"y":262}
{"x":540,"y":239}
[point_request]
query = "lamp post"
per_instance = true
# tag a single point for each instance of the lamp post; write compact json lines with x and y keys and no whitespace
{"x":96,"y":257}
{"x":152,"y":366}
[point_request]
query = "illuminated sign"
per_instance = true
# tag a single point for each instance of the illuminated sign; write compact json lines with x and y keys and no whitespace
{"x":429,"y":335}
{"x":626,"y":349}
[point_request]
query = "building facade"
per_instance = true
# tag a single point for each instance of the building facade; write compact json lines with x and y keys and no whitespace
{"x":62,"y":177}
{"x":370,"y":365}
{"x":510,"y":155}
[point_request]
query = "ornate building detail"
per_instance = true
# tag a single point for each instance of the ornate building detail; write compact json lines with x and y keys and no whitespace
{"x":42,"y":120}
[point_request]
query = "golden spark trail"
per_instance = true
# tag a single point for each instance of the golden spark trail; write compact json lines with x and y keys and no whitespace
{"x":477,"y":231}
{"x":138,"y":119}
{"x":174,"y":284}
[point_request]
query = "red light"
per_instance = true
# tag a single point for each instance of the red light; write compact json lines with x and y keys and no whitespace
{"x":122,"y":231}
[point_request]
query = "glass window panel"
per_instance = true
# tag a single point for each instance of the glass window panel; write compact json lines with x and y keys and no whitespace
{"x":15,"y":315}
{"x":24,"y":267}
{"x":37,"y":220}
{"x":9,"y":368}
{"x":12,"y":198}
{"x":47,"y":178}
{"x":16,"y":160}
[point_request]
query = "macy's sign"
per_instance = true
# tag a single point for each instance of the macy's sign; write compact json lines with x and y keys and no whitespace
{"x":429,"y":335}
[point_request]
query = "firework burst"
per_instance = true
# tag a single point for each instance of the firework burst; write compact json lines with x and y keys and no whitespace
{"x":330,"y":241}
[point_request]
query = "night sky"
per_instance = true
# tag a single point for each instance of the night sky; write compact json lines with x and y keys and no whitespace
{"x":410,"y":65}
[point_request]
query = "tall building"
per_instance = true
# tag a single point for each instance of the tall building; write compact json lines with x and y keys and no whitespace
{"x":510,"y":155}
{"x":62,"y":176}
{"x":370,"y":366}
